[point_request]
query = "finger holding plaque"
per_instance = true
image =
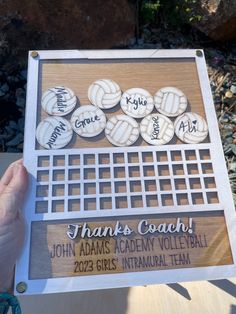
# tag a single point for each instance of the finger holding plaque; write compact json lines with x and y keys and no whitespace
{"x":191,"y":128}
{"x":58,"y":101}
{"x":104,"y":93}
{"x":157,"y":129}
{"x":170,"y":101}
{"x":88,"y":121}
{"x":54,"y":132}
{"x":137,"y":102}
{"x":122,"y":130}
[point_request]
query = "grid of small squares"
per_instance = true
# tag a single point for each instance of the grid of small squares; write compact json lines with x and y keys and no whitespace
{"x":116,"y":180}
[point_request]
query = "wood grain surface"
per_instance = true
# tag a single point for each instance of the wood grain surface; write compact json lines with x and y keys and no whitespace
{"x":54,"y":254}
{"x":148,"y":74}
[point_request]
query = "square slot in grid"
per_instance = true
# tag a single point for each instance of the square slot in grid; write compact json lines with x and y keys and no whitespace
{"x":118,"y":158}
{"x":59,"y":161}
{"x":74,"y":160}
{"x":41,"y":207}
{"x":134,"y":171}
{"x":58,"y":175}
{"x":182,"y":199}
{"x":180,"y":184}
{"x":178,"y":170}
{"x":105,"y":188}
{"x":151,"y":200}
{"x":89,"y":159}
{"x":195,"y":183}
{"x":90,"y":204}
{"x":212,"y":198}
{"x":197,"y":198}
{"x":192,"y":169}
{"x":176,"y":155}
{"x":58,"y":206}
{"x":150,"y":185}
{"x":163,"y":170}
{"x":147,"y":157}
{"x":167,"y":200}
{"x":105,"y":203}
{"x":74,"y":189}
{"x":161,"y":156}
{"x":89,"y":174}
{"x":121,"y":202}
{"x":43,"y":176}
{"x":148,"y":171}
{"x":190,"y":155}
{"x":58,"y":190}
{"x":89,"y":188}
{"x":103,"y":159}
{"x":43,"y":161}
{"x":120,"y":187}
{"x":133,"y":158}
{"x":74,"y":205}
{"x":165,"y":185}
{"x":74,"y":174}
{"x":204,"y":154}
{"x":42,"y":191}
{"x":137,"y":201}
{"x":209,"y":183}
{"x":135,"y":186}
{"x":207,"y":168}
{"x":119,"y":172}
{"x":104,"y":173}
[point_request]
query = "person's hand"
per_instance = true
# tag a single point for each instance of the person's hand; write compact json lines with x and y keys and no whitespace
{"x":13,"y":186}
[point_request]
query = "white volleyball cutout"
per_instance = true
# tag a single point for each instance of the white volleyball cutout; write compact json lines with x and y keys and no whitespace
{"x":122,"y":130}
{"x":104,"y":93}
{"x":88,"y":121}
{"x":54,"y":132}
{"x":137,"y":102}
{"x":156,"y":129}
{"x":170,"y":101}
{"x":191,"y":128}
{"x":58,"y":101}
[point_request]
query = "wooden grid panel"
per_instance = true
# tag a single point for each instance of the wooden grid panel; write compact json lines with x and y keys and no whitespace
{"x":125,"y":180}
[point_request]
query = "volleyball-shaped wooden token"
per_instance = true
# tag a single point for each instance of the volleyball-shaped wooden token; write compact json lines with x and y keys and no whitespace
{"x":191,"y":128}
{"x":58,"y":101}
{"x":54,"y":132}
{"x":137,"y":102}
{"x":122,"y":130}
{"x":88,"y":121}
{"x":104,"y":93}
{"x":170,"y":101}
{"x":156,"y":129}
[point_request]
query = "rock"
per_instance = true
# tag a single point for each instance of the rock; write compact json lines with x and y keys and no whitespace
{"x":233,"y":89}
{"x":67,"y":24}
{"x":219,"y":19}
{"x":13,"y":125}
{"x":16,"y":140}
{"x":20,"y":102}
{"x":5,"y":88}
{"x":228,"y":94}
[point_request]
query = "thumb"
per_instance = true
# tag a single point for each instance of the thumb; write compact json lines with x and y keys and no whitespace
{"x":12,"y":197}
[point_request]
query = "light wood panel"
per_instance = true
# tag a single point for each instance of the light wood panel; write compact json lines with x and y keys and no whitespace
{"x":148,"y":74}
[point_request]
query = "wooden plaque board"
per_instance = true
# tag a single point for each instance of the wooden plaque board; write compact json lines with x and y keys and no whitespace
{"x":100,"y":216}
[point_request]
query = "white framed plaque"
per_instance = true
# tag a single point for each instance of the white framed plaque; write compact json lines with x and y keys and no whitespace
{"x":118,"y":198}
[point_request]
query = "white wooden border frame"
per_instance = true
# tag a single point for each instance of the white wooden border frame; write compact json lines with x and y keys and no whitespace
{"x":140,"y":278}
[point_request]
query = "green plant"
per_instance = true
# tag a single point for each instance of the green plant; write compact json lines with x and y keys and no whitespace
{"x":170,"y":12}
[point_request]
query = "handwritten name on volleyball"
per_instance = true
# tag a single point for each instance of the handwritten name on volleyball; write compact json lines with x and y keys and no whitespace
{"x":57,"y":132}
